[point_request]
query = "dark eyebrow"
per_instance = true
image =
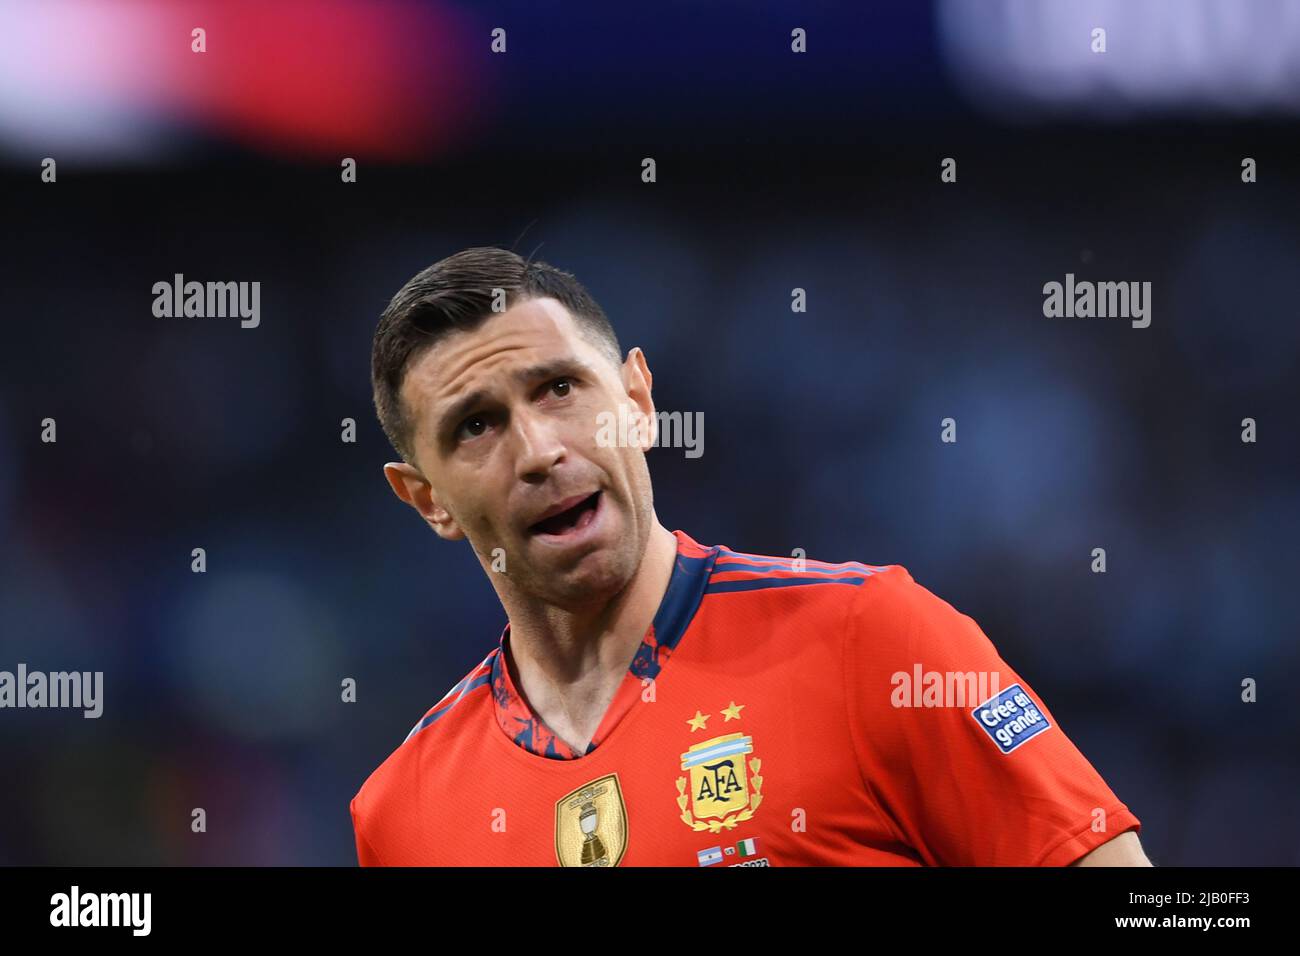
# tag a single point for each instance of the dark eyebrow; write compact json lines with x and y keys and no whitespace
{"x":458,"y":410}
{"x":545,"y":370}
{"x":552,"y":369}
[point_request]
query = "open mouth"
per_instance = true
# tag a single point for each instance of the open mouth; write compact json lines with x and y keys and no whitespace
{"x":572,"y":519}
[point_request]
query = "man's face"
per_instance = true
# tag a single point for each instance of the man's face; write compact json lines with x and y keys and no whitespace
{"x":506,"y":423}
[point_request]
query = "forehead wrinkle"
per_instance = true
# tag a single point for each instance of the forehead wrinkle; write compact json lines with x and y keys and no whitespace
{"x":478,"y":362}
{"x":462,"y":402}
{"x":536,"y":332}
{"x":449,"y":388}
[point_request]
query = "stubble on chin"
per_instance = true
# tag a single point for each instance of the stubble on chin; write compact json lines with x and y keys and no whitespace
{"x":595,"y":579}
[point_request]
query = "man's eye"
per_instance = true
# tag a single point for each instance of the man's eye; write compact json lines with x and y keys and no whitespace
{"x":561,"y":387}
{"x":472,"y":427}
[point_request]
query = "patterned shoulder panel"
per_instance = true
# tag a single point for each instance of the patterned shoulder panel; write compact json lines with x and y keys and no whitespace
{"x":480,"y":676}
{"x":739,"y":571}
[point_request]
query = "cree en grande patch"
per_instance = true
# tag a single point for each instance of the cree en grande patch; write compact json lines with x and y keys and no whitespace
{"x":1011,"y":718}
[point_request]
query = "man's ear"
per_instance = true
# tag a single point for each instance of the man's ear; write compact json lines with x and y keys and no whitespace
{"x":413,"y":488}
{"x":637,"y":382}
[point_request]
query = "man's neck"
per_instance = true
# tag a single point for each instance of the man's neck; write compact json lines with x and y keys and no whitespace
{"x":569,"y":664}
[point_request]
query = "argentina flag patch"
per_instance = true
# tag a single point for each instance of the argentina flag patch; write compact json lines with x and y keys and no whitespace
{"x":1010,"y":718}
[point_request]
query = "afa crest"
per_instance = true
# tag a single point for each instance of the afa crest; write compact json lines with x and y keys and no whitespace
{"x":719,"y":791}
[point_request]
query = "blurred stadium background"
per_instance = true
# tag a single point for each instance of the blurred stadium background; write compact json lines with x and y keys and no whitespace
{"x":821,"y":430}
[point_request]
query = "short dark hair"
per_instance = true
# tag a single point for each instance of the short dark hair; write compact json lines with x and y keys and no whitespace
{"x":456,"y":293}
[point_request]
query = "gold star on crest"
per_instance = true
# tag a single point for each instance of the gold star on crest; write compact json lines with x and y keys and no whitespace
{"x":698,"y":721}
{"x":731,"y":712}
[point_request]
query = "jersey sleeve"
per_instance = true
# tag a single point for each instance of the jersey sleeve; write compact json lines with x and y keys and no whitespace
{"x":366,"y":856}
{"x":970,"y":773}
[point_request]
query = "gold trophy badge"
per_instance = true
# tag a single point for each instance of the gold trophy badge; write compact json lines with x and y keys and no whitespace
{"x":591,"y":824}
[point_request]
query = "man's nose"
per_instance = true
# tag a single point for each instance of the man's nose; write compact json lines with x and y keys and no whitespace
{"x":539,"y":445}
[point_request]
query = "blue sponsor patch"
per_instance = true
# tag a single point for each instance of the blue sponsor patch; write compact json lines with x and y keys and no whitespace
{"x":1011,"y":718}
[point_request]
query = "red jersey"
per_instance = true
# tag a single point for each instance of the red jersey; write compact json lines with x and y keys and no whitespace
{"x":777,"y":712}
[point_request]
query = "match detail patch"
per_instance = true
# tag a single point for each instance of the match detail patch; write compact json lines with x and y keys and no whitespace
{"x":1011,"y":718}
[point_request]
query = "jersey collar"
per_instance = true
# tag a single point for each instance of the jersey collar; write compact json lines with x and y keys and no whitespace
{"x":691,"y":571}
